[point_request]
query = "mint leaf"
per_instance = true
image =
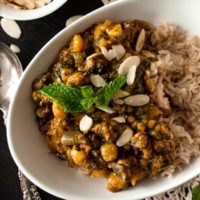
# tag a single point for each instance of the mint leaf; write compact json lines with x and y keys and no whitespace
{"x":74,"y":99}
{"x":87,"y":91}
{"x":196,"y":193}
{"x":69,"y":98}
{"x":105,"y":94}
{"x":87,"y":102}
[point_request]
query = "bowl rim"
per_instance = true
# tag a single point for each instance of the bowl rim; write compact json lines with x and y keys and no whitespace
{"x":25,"y":171}
{"x":23,"y":15}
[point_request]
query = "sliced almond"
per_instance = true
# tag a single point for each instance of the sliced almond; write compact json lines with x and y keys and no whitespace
{"x":14,"y":48}
{"x":108,"y":54}
{"x":119,"y":51}
{"x":137,"y":100}
{"x":131,"y":75}
{"x":73,"y":19}
{"x":107,"y":110}
{"x":11,"y":28}
{"x":85,"y":123}
{"x":118,"y":101}
{"x":119,"y":119}
{"x":121,"y":94}
{"x":97,"y":80}
{"x":140,"y":41}
{"x":125,"y":137}
{"x":128,"y":63}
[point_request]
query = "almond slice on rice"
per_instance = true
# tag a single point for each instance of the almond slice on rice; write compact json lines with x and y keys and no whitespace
{"x":137,"y":100}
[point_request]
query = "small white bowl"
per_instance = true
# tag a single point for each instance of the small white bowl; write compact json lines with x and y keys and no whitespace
{"x":28,"y":146}
{"x":11,"y":13}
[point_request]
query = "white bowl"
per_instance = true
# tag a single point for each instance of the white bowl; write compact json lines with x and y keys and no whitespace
{"x":11,"y":13}
{"x":28,"y":146}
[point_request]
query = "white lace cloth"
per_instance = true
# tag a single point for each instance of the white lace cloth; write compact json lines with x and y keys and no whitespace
{"x":183,"y":192}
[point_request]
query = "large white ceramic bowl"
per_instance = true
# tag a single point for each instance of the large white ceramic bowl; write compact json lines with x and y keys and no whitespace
{"x":28,"y":146}
{"x":11,"y":13}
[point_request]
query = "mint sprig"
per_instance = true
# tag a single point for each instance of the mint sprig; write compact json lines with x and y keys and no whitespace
{"x":78,"y":99}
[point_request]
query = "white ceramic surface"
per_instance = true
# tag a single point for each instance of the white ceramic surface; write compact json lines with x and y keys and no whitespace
{"x":28,"y":146}
{"x":11,"y":13}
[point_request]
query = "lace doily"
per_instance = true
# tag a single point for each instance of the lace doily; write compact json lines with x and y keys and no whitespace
{"x":183,"y":192}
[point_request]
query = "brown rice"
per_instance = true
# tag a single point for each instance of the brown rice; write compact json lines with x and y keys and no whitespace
{"x":177,"y":78}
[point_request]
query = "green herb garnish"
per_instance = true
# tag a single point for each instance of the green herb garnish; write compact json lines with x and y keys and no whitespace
{"x":78,"y":99}
{"x":105,"y":94}
{"x":196,"y":193}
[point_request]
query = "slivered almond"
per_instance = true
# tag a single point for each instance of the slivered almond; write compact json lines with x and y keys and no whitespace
{"x":137,"y":100}
{"x":73,"y":19}
{"x":85,"y":123}
{"x":119,"y":119}
{"x":107,"y":110}
{"x":108,"y":54}
{"x":11,"y":28}
{"x":131,"y":75}
{"x":97,"y":80}
{"x":140,"y":41}
{"x":14,"y":48}
{"x":128,"y":63}
{"x":121,"y":94}
{"x":119,"y":51}
{"x":118,"y":101}
{"x":125,"y":137}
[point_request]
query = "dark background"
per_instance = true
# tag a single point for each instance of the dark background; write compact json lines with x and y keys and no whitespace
{"x":35,"y":34}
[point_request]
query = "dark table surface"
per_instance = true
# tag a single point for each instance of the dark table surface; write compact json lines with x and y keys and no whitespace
{"x":35,"y":34}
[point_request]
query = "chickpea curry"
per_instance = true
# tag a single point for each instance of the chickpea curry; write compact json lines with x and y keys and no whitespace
{"x":95,"y":108}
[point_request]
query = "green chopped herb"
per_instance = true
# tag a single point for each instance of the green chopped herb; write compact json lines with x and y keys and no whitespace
{"x":78,"y":99}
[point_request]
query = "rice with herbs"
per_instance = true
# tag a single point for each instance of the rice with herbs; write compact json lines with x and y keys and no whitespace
{"x":177,"y":78}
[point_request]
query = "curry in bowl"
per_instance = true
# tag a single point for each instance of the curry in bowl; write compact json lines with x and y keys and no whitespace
{"x":115,"y":102}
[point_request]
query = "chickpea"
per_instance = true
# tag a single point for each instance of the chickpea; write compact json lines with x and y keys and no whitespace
{"x":42,"y":112}
{"x":109,"y":152}
{"x":115,"y":183}
{"x":58,"y":112}
{"x":77,"y":43}
{"x":116,"y":31}
{"x":99,"y":173}
{"x":77,"y":78}
{"x":150,"y":85}
{"x":78,"y":156}
{"x":139,"y":140}
{"x":140,"y":127}
{"x":151,"y":124}
{"x":65,"y":72}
